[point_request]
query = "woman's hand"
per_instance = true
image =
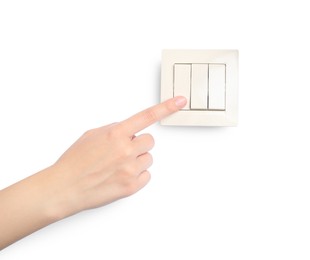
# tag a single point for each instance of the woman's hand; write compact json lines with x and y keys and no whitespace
{"x":103,"y":165}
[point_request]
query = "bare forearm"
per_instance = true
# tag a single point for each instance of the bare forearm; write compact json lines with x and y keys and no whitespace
{"x":27,"y":206}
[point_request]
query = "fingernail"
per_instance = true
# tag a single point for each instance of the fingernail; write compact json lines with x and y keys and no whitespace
{"x":180,"y":101}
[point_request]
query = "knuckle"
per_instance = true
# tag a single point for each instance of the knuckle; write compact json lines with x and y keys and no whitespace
{"x":127,"y":179}
{"x":114,"y":132}
{"x":151,"y":140}
{"x":148,"y":159}
{"x":129,"y":171}
{"x":89,"y":132}
{"x":148,"y":140}
{"x":128,"y":185}
{"x":146,"y":176}
{"x":130,"y":188}
{"x":126,"y":152}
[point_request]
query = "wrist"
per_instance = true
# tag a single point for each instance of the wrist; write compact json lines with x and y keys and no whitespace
{"x":60,"y":197}
{"x":30,"y":205}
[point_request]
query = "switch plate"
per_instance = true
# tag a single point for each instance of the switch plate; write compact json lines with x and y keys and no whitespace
{"x":209,"y":81}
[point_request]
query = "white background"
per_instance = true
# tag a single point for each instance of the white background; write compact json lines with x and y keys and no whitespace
{"x":216,"y":193}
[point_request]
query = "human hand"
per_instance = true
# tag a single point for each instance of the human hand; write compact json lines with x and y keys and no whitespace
{"x":103,"y":165}
{"x":109,"y":162}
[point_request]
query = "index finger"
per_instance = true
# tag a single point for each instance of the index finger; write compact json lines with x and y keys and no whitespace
{"x":151,"y":115}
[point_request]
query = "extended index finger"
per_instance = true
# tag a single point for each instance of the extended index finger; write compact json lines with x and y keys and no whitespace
{"x":147,"y":117}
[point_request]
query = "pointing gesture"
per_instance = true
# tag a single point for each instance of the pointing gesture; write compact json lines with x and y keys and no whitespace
{"x":103,"y":165}
{"x":151,"y":115}
{"x":113,"y":157}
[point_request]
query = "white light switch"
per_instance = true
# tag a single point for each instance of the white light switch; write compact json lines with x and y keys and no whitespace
{"x":199,"y":89}
{"x":182,"y":81}
{"x":217,"y":86}
{"x":209,"y":81}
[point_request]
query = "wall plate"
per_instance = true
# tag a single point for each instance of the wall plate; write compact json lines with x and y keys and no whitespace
{"x":209,"y":81}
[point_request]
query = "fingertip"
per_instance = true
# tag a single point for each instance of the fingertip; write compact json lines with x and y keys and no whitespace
{"x":180,"y":101}
{"x":145,"y":118}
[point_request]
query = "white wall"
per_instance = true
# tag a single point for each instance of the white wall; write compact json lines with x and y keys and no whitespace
{"x":216,"y":193}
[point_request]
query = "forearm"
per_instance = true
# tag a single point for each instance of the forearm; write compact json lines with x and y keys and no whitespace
{"x":27,"y":206}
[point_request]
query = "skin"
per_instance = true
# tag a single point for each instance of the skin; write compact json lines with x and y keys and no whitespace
{"x":105,"y":164}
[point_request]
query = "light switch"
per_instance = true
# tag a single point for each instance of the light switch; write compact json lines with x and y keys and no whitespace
{"x":209,"y":81}
{"x":182,"y":81}
{"x":199,"y":86}
{"x":217,"y":80}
